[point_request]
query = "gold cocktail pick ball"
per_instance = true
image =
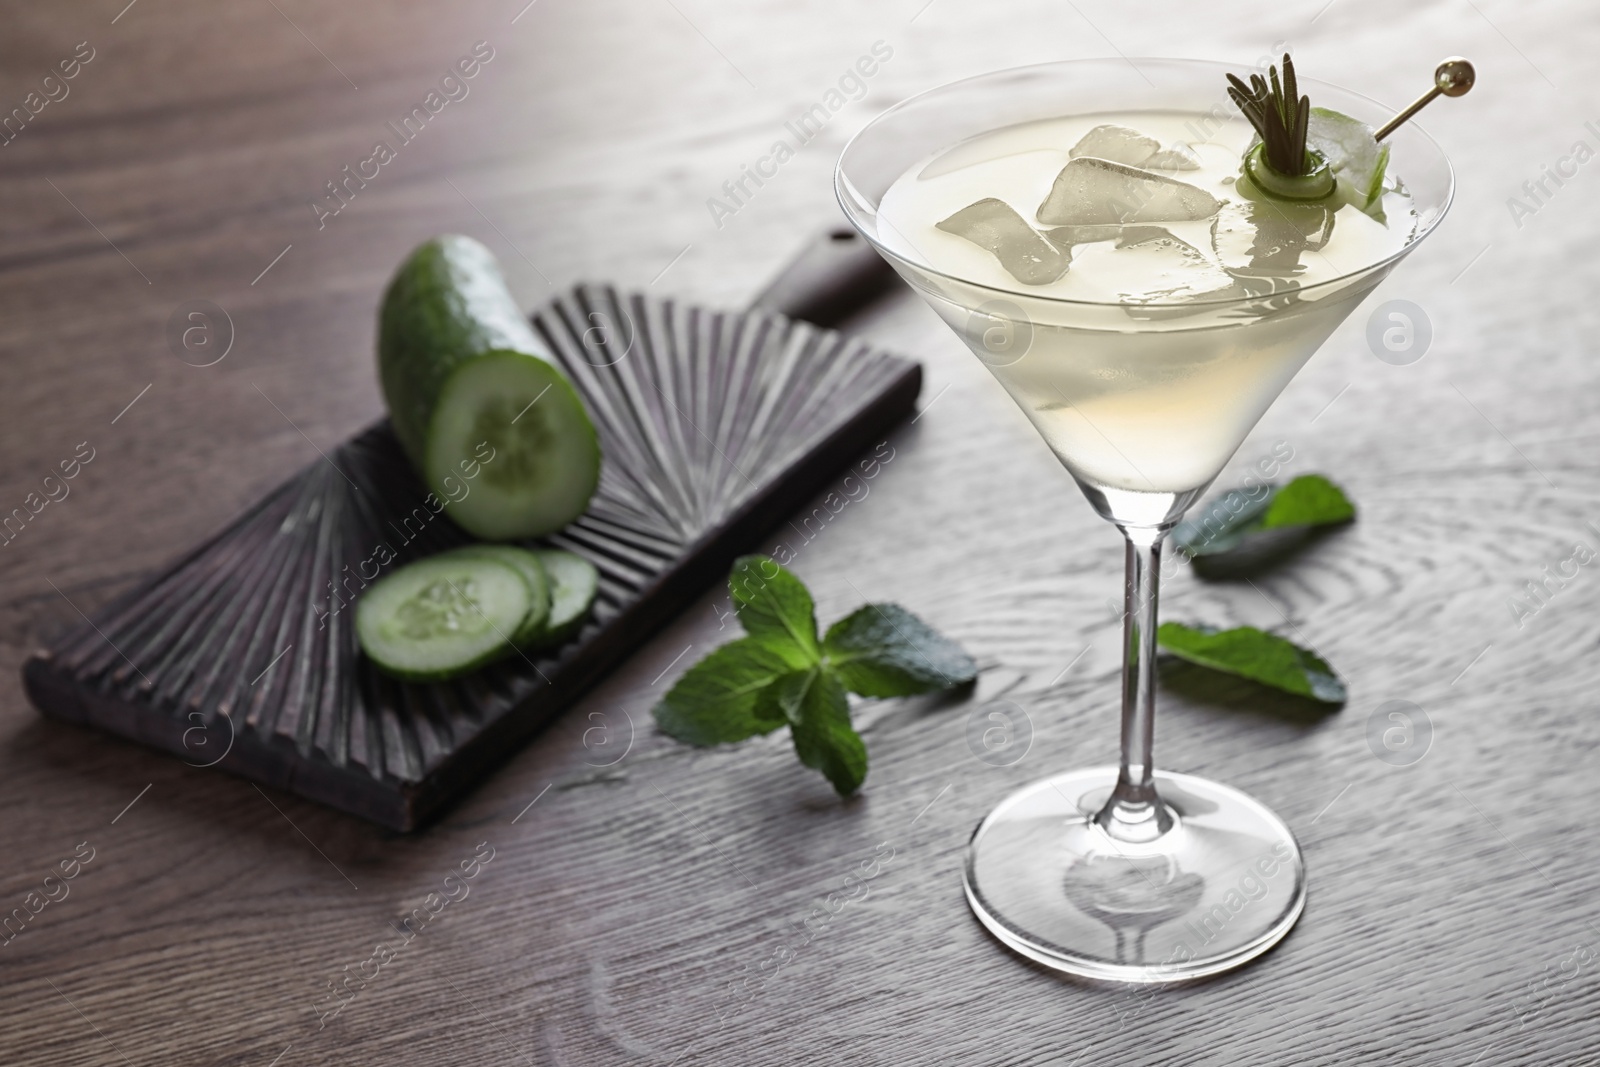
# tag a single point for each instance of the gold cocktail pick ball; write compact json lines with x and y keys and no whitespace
{"x":1453,"y":77}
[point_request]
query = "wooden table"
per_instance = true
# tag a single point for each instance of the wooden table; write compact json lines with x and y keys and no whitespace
{"x":647,"y":909}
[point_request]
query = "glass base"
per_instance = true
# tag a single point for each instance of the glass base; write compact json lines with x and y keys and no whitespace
{"x":1221,"y":887}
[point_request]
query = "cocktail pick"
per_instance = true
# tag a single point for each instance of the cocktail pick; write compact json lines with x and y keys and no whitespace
{"x":1453,"y":77}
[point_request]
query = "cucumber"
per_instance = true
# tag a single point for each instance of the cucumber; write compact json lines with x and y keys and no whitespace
{"x":573,"y":585}
{"x":487,"y":418}
{"x":443,"y":616}
{"x":529,"y":566}
{"x":514,"y":423}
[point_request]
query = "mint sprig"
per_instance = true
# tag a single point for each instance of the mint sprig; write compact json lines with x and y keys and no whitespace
{"x":782,"y":675}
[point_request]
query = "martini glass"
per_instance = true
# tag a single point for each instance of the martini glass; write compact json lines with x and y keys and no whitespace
{"x":1127,"y":873}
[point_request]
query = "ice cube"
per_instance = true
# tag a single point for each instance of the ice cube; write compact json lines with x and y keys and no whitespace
{"x":1118,"y":144}
{"x":1266,"y":239}
{"x":1176,"y":156}
{"x":994,"y":225}
{"x":1169,"y":268}
{"x":1067,"y":236}
{"x":1090,"y":191}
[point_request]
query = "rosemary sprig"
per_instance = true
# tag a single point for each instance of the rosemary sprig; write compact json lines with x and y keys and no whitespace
{"x":1280,"y":116}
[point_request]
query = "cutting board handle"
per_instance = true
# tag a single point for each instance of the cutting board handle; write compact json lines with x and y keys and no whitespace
{"x":835,"y":273}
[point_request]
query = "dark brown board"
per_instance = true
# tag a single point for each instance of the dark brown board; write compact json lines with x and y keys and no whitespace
{"x":241,"y":655}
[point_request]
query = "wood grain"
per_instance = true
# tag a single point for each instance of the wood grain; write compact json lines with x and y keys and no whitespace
{"x":624,"y":910}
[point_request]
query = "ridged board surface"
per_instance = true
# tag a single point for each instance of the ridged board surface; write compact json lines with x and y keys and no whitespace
{"x":713,"y":426}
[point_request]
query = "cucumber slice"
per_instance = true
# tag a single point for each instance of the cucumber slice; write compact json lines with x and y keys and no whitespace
{"x":440,"y":617}
{"x":573,"y":585}
{"x":532,"y":570}
{"x":1354,"y":153}
{"x":460,"y":367}
{"x":510,"y":437}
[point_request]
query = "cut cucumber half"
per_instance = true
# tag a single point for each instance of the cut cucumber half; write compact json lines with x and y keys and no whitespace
{"x":475,"y":399}
{"x":440,"y":617}
{"x":510,"y":447}
{"x":573,"y":585}
{"x":532,"y":570}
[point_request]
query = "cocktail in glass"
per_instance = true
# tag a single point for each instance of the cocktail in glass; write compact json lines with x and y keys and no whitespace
{"x":1144,"y":310}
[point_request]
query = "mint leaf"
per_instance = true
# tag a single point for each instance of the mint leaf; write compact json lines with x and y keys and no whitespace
{"x":775,"y":608}
{"x":1309,"y":500}
{"x":1226,"y":523}
{"x":718,"y":699}
{"x":882,"y":650}
{"x":1257,"y":655}
{"x":819,"y":722}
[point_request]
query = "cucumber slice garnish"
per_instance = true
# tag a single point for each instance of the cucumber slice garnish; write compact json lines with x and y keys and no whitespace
{"x":1352,"y":151}
{"x":440,"y":617}
{"x":532,"y":570}
{"x":511,"y":438}
{"x":1315,"y":185}
{"x":574,"y":583}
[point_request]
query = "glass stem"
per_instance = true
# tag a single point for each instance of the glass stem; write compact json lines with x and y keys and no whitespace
{"x":1135,"y":812}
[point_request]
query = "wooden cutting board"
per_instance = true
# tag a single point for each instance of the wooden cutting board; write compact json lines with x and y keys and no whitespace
{"x":241,"y":655}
